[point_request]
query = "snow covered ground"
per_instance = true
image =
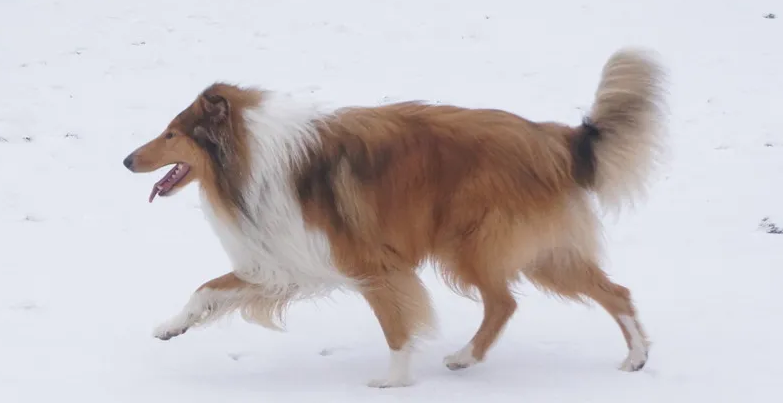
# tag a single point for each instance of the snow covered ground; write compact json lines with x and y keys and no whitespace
{"x":87,"y":267}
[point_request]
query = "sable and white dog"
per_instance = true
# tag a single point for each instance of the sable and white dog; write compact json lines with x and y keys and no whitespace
{"x":306,"y":202}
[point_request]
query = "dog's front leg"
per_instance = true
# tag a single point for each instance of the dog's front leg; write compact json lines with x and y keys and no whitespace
{"x":403,"y":308}
{"x":210,"y":301}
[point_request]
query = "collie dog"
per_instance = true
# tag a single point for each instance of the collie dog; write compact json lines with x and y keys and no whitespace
{"x":306,"y":201}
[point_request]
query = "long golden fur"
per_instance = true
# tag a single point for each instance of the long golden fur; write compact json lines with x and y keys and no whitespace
{"x":487,"y":195}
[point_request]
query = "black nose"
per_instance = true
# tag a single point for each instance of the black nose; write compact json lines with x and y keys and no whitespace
{"x":128,"y":162}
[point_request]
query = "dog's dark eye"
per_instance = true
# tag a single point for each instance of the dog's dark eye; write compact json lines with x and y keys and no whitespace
{"x":169,"y":135}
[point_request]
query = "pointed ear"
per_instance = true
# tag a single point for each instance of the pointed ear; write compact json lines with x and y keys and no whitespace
{"x":215,"y":107}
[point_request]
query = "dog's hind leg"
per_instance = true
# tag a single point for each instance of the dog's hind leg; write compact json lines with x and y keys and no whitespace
{"x":499,"y":306}
{"x":567,"y":274}
{"x":482,"y":264}
{"x":219,"y":297}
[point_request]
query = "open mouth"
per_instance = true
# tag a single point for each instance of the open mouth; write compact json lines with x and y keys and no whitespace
{"x":174,"y":176}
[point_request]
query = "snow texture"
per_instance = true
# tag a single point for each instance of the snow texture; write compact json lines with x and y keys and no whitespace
{"x":88,"y":268}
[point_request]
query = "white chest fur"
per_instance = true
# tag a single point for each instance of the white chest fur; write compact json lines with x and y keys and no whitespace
{"x":274,"y":249}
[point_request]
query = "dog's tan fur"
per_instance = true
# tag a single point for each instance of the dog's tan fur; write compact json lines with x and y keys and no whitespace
{"x":489,"y":196}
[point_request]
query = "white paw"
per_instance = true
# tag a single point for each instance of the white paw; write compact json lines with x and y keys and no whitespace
{"x":399,"y":374}
{"x":635,"y":360}
{"x":460,"y":359}
{"x":637,"y":355}
{"x":167,"y":330}
{"x":390,"y":383}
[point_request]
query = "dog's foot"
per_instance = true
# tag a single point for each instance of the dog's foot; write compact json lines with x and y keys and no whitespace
{"x":637,"y":355}
{"x":399,"y":373}
{"x":169,"y":334}
{"x":170,"y":329}
{"x":635,"y":361}
{"x":398,"y":382}
{"x":461,"y":359}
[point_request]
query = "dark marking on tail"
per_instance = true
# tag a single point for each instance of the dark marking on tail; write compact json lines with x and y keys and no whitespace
{"x":583,"y":153}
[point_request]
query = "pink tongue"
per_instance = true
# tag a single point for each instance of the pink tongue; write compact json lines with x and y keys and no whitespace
{"x":154,"y":193}
{"x":162,"y":185}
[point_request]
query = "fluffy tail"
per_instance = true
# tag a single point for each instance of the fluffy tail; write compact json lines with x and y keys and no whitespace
{"x":618,"y":144}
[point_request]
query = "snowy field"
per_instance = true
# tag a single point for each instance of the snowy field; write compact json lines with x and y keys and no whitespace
{"x":88,"y":267}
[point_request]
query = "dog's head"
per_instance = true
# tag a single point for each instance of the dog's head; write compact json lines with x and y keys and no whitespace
{"x":204,"y":142}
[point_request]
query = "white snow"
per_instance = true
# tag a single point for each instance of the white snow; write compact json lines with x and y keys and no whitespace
{"x":88,"y":268}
